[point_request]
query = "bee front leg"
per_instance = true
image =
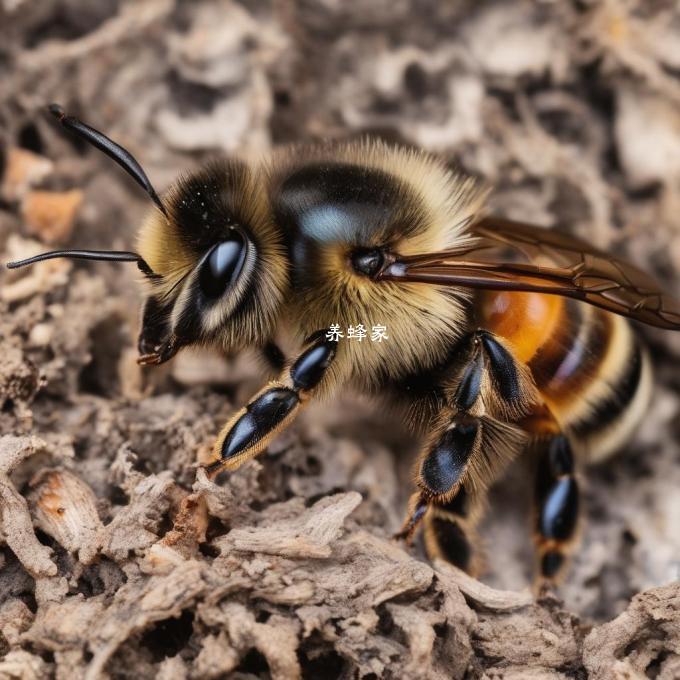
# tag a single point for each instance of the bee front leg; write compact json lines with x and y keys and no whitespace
{"x":273,"y":408}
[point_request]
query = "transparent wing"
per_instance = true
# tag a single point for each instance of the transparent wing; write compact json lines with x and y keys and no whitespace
{"x":554,"y":263}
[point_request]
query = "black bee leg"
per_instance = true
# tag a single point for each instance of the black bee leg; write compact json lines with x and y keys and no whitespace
{"x":418,"y":506}
{"x":493,"y":409}
{"x":470,"y":444}
{"x":448,"y":528}
{"x":442,"y":503}
{"x":449,"y":531}
{"x":557,"y":499}
{"x":273,"y":408}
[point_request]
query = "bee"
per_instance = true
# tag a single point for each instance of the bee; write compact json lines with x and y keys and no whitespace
{"x":505,"y":339}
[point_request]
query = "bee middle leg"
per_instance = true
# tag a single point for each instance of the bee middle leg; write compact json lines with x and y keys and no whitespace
{"x":472,"y":440}
{"x":453,"y":473}
{"x":273,"y":408}
{"x":449,"y":531}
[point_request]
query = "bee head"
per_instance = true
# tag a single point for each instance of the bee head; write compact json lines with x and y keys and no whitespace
{"x":214,"y":263}
{"x":219,"y":264}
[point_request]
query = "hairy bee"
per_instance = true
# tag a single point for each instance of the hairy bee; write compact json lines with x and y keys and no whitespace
{"x":503,"y":337}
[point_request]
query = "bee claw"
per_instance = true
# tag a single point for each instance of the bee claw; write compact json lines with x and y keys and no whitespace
{"x":544,"y":588}
{"x":405,"y":535}
{"x":213,"y":469}
{"x":412,"y":521}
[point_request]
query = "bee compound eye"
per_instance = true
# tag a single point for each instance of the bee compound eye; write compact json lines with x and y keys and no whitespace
{"x":222,"y":266}
{"x":367,"y":261}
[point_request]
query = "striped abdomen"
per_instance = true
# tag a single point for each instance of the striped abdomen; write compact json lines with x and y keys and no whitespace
{"x":588,"y":364}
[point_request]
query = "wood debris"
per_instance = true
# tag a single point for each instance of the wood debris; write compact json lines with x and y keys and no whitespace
{"x":50,"y":215}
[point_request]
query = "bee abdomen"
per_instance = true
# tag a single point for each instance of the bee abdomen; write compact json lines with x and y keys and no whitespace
{"x":614,"y":414}
{"x":589,"y":366}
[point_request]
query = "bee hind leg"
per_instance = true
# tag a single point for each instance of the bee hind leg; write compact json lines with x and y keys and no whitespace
{"x":556,"y":514}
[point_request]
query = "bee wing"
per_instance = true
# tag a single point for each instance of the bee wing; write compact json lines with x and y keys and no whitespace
{"x":556,"y":264}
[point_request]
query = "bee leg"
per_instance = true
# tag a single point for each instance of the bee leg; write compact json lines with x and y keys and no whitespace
{"x":418,"y":505}
{"x":449,"y":531}
{"x":448,"y":528}
{"x":470,"y":444}
{"x":273,"y":408}
{"x":442,"y":504}
{"x":557,"y":500}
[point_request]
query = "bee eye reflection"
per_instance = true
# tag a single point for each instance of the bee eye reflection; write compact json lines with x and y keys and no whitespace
{"x":222,"y":266}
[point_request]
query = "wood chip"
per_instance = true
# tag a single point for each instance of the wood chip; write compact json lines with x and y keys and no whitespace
{"x":50,"y":215}
{"x":65,"y":508}
{"x":23,"y":169}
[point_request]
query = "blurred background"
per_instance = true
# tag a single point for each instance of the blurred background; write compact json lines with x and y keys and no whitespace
{"x":569,"y":109}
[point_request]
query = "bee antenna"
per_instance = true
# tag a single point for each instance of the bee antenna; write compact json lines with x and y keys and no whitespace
{"x":104,"y":255}
{"x":115,"y":151}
